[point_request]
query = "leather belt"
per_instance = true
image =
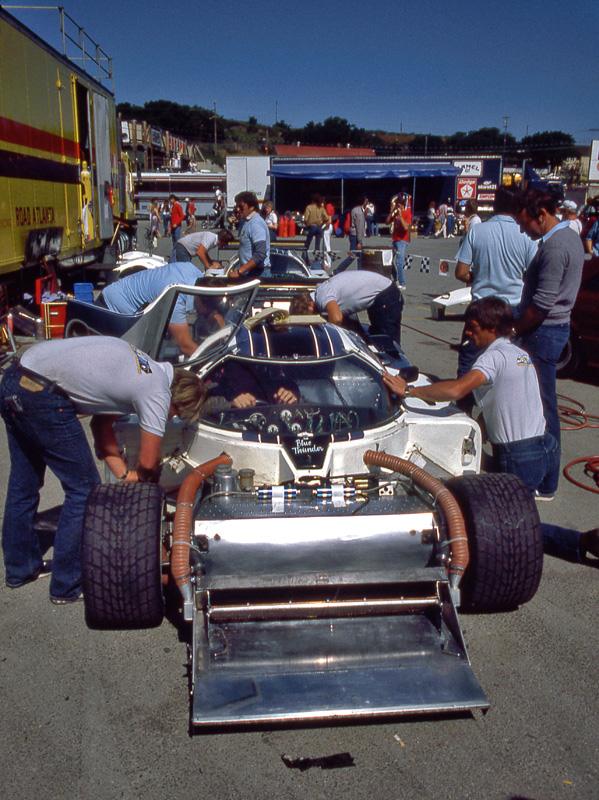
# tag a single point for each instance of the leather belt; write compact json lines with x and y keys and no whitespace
{"x":43,"y":383}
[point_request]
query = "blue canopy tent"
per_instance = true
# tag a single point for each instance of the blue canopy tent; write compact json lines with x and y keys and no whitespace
{"x":360,"y":170}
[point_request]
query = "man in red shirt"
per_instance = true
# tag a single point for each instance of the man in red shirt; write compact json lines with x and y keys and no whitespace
{"x":177,"y":217}
{"x":400,"y":219}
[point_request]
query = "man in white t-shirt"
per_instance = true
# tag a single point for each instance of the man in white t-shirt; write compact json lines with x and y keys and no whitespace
{"x":199,"y":244}
{"x":505,"y":386}
{"x":40,"y":400}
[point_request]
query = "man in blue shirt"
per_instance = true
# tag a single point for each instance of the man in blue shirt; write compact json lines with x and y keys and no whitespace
{"x":132,"y":294}
{"x":492,"y":259}
{"x":254,"y":239}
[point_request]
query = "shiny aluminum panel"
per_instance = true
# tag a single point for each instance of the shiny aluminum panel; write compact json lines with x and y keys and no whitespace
{"x":326,"y":669}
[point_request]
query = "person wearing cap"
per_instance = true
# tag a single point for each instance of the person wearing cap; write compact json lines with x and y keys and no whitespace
{"x":41,"y":398}
{"x":569,"y":211}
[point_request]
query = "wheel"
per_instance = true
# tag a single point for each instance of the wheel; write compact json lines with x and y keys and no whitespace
{"x":569,"y":361}
{"x":123,"y":242}
{"x":504,"y":537}
{"x":121,"y":557}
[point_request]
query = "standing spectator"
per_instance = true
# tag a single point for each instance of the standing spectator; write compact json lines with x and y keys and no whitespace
{"x":316,"y":218}
{"x":591,"y":243}
{"x":399,"y":219}
{"x":155,"y":222}
{"x":40,"y":400}
{"x":254,"y":239}
{"x":551,"y":284}
{"x":177,"y":217}
{"x":492,"y":259}
{"x":198,"y":244}
{"x":450,"y":219}
{"x":328,"y":230}
{"x":506,"y":388}
{"x":431,"y":217}
{"x":470,"y":212}
{"x":569,"y":211}
{"x":190,"y":215}
{"x":353,"y":291}
{"x":442,"y":218}
{"x":370,"y":212}
{"x":268,"y":213}
{"x":166,"y":217}
{"x":357,"y":225}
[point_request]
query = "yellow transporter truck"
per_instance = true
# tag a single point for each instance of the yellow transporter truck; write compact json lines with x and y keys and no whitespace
{"x":65,"y":191}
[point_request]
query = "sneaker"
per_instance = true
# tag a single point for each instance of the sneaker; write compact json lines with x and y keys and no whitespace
{"x":402,"y":287}
{"x":541,"y":497}
{"x":64,"y":601}
{"x":42,"y":572}
{"x":589,"y":543}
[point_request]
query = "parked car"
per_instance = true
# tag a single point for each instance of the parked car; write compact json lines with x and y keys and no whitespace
{"x":582,"y":349}
{"x":321,"y":543}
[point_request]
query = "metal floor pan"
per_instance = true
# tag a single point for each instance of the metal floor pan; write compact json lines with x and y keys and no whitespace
{"x":276,"y":671}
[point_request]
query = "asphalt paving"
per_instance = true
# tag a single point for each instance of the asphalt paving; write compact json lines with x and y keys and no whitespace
{"x":103,"y":715}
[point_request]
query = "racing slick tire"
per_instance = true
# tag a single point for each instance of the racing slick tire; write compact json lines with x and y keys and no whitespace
{"x":504,"y":539}
{"x":121,"y":556}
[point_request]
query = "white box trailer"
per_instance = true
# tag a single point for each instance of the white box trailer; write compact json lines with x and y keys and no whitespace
{"x":247,"y":174}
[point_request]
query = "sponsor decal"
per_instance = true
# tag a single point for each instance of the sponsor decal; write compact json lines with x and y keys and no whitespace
{"x":486,"y":196}
{"x":466,"y":188}
{"x":470,"y":167}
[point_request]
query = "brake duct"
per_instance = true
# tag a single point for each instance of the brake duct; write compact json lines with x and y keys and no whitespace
{"x":180,"y":562}
{"x":458,"y":539}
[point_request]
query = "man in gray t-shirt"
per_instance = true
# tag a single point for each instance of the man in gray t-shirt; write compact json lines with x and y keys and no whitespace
{"x":40,"y":400}
{"x":199,"y":244}
{"x":353,"y":291}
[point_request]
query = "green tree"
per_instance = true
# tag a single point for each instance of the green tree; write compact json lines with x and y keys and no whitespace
{"x":548,"y":149}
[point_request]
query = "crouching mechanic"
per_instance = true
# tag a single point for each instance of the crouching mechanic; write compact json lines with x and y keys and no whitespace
{"x":350,"y":292}
{"x":40,"y":399}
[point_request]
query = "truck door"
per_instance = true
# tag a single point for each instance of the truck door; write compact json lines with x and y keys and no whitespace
{"x":101,"y":111}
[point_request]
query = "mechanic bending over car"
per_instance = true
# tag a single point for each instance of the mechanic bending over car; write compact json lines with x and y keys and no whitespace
{"x":40,"y":400}
{"x":199,"y":244}
{"x":132,"y":294}
{"x":506,"y":388}
{"x":350,"y":292}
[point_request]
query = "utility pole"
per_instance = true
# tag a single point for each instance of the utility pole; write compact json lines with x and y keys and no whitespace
{"x":505,"y":119}
{"x":214,"y":118}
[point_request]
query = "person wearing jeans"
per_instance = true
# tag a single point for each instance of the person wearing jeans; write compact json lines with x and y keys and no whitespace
{"x":400,"y":219}
{"x":551,"y":284}
{"x":505,"y":386}
{"x":40,"y":400}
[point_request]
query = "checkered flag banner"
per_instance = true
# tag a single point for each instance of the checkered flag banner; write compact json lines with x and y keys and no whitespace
{"x":408,"y":262}
{"x":425,"y":264}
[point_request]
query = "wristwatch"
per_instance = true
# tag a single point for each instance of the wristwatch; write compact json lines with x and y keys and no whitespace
{"x":407,"y":391}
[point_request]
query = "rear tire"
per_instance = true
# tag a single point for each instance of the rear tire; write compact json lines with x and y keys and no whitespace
{"x":505,"y":542}
{"x":121,"y":557}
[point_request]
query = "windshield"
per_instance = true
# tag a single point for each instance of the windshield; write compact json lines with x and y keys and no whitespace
{"x":199,"y":325}
{"x":278,"y":398}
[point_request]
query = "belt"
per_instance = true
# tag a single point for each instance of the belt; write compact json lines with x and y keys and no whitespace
{"x":43,"y":383}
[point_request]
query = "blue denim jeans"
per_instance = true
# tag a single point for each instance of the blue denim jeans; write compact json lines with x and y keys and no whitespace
{"x":399,"y":258}
{"x":43,"y":430}
{"x":544,"y":345}
{"x":179,"y":254}
{"x":385,"y":313}
{"x":534,"y":460}
{"x":561,"y":542}
{"x":314,"y":232}
{"x":176,"y":234}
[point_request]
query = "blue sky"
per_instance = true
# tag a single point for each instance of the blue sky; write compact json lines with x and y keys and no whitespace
{"x":425,"y":67}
